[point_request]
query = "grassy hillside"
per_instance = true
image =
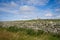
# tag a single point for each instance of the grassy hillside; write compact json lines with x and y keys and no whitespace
{"x":30,"y":30}
{"x":47,"y":25}
{"x":13,"y":33}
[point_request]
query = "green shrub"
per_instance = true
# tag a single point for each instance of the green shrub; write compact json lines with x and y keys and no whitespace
{"x":30,"y":32}
{"x":40,"y":32}
{"x":22,"y":29}
{"x":12,"y":29}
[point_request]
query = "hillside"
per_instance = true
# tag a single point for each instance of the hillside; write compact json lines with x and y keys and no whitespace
{"x":30,"y":30}
{"x":40,"y":24}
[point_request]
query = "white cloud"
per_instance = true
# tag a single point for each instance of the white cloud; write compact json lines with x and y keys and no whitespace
{"x":57,"y":9}
{"x":26,"y":17}
{"x":57,"y":17}
{"x":22,"y":10}
{"x":37,"y":2}
{"x":12,"y":4}
{"x":28,"y":9}
{"x":11,"y":7}
{"x":9,"y":11}
{"x":48,"y":13}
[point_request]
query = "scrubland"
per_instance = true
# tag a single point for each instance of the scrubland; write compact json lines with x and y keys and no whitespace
{"x":30,"y":30}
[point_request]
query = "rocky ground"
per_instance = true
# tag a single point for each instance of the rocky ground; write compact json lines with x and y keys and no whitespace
{"x":52,"y":26}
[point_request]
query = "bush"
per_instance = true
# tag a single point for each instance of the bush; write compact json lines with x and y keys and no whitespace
{"x":56,"y":35}
{"x":13,"y":29}
{"x":40,"y":32}
{"x":30,"y":32}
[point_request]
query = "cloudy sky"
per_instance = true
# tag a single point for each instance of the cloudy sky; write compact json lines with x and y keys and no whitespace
{"x":29,"y":9}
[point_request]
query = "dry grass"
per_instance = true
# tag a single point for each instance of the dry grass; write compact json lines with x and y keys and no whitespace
{"x":4,"y":35}
{"x":22,"y":35}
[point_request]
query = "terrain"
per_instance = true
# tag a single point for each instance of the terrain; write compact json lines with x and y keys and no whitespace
{"x":39,"y":29}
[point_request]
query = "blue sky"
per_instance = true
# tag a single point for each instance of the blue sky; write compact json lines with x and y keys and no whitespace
{"x":29,"y":9}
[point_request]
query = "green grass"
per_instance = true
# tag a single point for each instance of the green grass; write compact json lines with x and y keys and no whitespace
{"x":14,"y":33}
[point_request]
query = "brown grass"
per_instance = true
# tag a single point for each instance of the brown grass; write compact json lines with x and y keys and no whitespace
{"x":4,"y":35}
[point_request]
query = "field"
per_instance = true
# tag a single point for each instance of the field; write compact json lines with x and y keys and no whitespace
{"x":30,"y":30}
